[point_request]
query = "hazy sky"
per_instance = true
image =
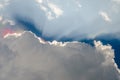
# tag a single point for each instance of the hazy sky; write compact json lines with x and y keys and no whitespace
{"x":66,"y":18}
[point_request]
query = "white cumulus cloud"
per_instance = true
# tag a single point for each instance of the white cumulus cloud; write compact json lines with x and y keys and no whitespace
{"x":26,"y":58}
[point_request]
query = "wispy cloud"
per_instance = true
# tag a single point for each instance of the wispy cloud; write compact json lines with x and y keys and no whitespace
{"x":58,"y":12}
{"x":105,"y":16}
{"x":61,"y":19}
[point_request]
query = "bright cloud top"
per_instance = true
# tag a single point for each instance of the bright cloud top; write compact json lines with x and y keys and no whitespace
{"x":26,"y":58}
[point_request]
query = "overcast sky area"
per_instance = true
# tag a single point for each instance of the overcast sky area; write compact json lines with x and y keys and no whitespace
{"x":30,"y":31}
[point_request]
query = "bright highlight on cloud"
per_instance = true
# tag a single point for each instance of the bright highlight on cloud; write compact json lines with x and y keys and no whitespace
{"x":105,"y":16}
{"x":26,"y":58}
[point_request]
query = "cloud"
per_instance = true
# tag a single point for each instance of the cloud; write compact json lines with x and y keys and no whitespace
{"x":78,"y":4}
{"x":117,"y":1}
{"x":39,"y":1}
{"x":51,"y":10}
{"x":55,"y":9}
{"x":105,"y":16}
{"x":0,"y":18}
{"x":25,"y":57}
{"x":1,"y":6}
{"x":26,"y":9}
{"x":3,"y":3}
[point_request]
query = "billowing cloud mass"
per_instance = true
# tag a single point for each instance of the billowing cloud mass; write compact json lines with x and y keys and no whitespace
{"x":27,"y":57}
{"x":60,"y":19}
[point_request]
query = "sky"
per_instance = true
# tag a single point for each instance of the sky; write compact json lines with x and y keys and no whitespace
{"x":68,"y":18}
{"x":59,"y":40}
